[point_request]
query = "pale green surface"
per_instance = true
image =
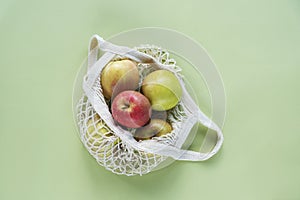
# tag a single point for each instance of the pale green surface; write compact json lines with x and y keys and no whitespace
{"x":256,"y":45}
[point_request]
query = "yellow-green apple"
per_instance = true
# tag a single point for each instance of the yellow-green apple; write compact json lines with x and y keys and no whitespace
{"x":118,"y":76}
{"x":131,"y":109}
{"x":156,"y":127}
{"x":163,"y":89}
{"x":97,"y":138}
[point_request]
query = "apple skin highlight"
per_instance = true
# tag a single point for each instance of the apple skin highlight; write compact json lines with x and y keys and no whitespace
{"x":131,"y":109}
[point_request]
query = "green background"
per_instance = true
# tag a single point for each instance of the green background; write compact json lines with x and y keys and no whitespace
{"x":256,"y":46}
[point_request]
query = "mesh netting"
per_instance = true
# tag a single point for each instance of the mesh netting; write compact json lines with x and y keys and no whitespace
{"x":110,"y":150}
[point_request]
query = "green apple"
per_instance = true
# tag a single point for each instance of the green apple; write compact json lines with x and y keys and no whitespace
{"x":97,"y":135}
{"x":163,"y":89}
{"x":118,"y":76}
{"x":156,"y":127}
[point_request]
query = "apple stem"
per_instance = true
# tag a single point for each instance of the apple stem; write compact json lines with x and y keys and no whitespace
{"x":125,"y":106}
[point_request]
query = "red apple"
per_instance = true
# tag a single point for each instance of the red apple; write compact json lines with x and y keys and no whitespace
{"x":131,"y":109}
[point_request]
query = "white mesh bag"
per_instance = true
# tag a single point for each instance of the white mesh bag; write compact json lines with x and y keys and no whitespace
{"x":114,"y":147}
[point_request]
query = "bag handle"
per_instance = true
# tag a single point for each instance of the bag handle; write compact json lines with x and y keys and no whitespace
{"x":94,"y":69}
{"x":188,"y":155}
